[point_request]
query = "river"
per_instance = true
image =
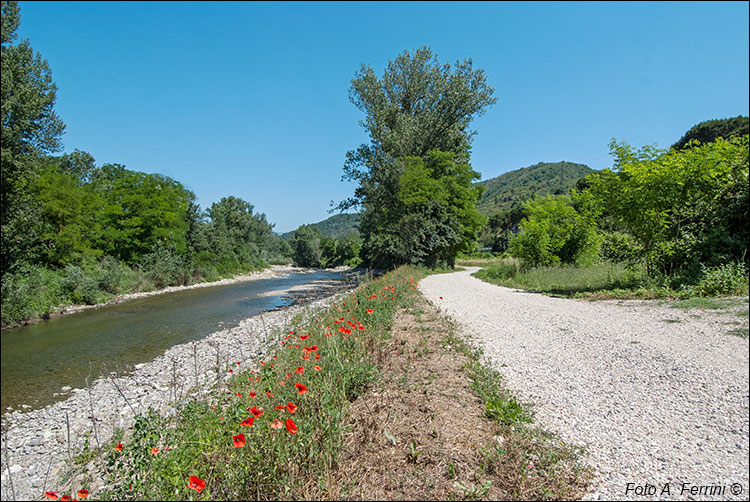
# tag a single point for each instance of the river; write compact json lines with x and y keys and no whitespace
{"x":41,"y":358}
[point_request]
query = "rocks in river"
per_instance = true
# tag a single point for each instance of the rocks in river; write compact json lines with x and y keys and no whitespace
{"x":36,"y":437}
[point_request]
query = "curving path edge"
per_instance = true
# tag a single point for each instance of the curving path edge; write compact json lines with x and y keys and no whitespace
{"x":657,"y":396}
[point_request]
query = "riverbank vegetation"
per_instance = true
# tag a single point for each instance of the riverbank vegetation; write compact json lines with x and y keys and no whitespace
{"x":77,"y":232}
{"x":662,"y":223}
{"x":351,"y":383}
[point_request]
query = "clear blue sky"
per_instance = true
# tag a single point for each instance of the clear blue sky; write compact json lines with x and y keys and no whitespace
{"x":251,"y":98}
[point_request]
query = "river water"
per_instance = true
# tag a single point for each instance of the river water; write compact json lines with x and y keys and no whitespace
{"x":41,"y":358}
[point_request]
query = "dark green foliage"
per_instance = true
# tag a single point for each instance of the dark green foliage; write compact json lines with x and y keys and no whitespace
{"x":418,"y":109}
{"x":338,"y":226}
{"x":708,"y":131}
{"x":685,"y":209}
{"x":431,"y":218}
{"x":306,"y":247}
{"x":512,"y":188}
{"x":30,"y":129}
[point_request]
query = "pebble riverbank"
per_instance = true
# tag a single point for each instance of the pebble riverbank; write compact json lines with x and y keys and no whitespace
{"x":35,"y":444}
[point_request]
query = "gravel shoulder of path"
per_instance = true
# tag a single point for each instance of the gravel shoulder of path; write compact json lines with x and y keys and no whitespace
{"x":658,"y":396}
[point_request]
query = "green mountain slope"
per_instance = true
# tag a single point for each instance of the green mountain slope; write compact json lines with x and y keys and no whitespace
{"x":337,"y":226}
{"x":544,"y":178}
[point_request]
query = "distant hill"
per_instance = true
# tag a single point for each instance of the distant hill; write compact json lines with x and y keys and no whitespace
{"x":709,"y":130}
{"x":337,"y":226}
{"x":544,"y":178}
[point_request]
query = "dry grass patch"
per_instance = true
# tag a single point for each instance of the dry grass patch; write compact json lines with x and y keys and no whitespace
{"x":422,"y":432}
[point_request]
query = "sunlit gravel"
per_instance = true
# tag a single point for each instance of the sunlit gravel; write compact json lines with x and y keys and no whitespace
{"x":658,"y":396}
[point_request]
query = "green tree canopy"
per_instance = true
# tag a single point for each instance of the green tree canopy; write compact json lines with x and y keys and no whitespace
{"x":417,"y":110}
{"x":553,"y":232}
{"x":30,"y":128}
{"x":684,"y":207}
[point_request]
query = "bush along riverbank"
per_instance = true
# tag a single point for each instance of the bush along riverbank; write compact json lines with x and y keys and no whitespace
{"x":290,"y":426}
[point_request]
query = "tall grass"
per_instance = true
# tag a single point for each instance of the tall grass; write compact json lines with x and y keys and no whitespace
{"x":563,"y":280}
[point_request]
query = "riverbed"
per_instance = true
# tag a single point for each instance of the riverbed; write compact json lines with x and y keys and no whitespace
{"x":42,"y":362}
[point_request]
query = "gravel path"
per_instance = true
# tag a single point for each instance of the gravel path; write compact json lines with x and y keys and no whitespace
{"x":657,"y":395}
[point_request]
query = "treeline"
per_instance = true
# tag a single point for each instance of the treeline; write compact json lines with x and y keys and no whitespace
{"x":680,"y":214}
{"x":75,"y":232}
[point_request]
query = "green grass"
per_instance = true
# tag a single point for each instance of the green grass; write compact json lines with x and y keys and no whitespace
{"x":710,"y":304}
{"x":273,"y":464}
{"x":562,"y":281}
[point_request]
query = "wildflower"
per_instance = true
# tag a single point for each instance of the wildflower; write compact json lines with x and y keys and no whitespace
{"x":65,"y":497}
{"x":238,"y":394}
{"x":291,"y":407}
{"x":370,"y":311}
{"x":239,"y":440}
{"x":237,"y":363}
{"x":279,"y":407}
{"x":51,"y":495}
{"x":282,"y":383}
{"x":255,"y":411}
{"x":291,"y":426}
{"x":230,"y":371}
{"x":301,"y":388}
{"x":304,"y":337}
{"x":82,"y":494}
{"x":300,"y":370}
{"x":196,"y":483}
{"x":248,"y":422}
{"x":441,"y":297}
{"x":268,"y":393}
{"x":154,"y":451}
{"x":276,"y":424}
{"x":252,"y":394}
{"x":317,"y":368}
{"x":118,"y":447}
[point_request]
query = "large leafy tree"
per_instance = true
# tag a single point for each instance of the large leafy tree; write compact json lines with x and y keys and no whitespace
{"x":419,"y":106}
{"x":683,"y":208}
{"x":30,"y":128}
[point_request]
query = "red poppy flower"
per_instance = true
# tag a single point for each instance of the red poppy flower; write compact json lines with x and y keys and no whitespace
{"x":291,"y":426}
{"x":317,"y":357}
{"x":268,"y":393}
{"x":252,"y":394}
{"x":291,"y":407}
{"x":304,"y":337}
{"x":276,"y":424}
{"x":82,"y":494}
{"x":301,"y":388}
{"x":237,"y":363}
{"x":370,"y":311}
{"x":317,"y":368}
{"x":65,"y":497}
{"x":248,"y":422}
{"x":154,"y":451}
{"x":196,"y":483}
{"x":282,"y":383}
{"x":299,"y":370}
{"x":239,"y":440}
{"x":262,"y":363}
{"x":441,"y":297}
{"x":255,"y":411}
{"x":51,"y":495}
{"x":118,"y":447}
{"x":313,"y":348}
{"x":230,"y":371}
{"x":280,"y":407}
{"x":238,"y":394}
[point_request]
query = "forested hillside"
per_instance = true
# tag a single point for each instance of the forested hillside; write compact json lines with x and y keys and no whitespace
{"x":544,"y":178}
{"x":338,"y":226}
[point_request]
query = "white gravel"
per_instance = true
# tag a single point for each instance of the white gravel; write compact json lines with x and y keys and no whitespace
{"x":658,"y":396}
